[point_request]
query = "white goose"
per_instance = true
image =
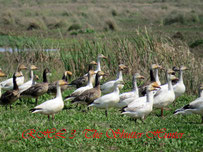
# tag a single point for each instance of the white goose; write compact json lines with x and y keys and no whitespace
{"x":142,"y":109}
{"x":100,"y":56}
{"x":195,"y":107}
{"x":29,"y":83}
{"x":2,"y":74}
{"x":165,"y":97}
{"x":52,"y":106}
{"x":127,"y":97}
{"x":109,"y":100}
{"x":179,"y":87}
{"x":157,"y":67}
{"x":8,"y":84}
{"x":80,"y":90}
{"x":109,"y":86}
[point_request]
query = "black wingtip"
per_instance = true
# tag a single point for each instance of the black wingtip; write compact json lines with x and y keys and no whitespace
{"x":123,"y":109}
{"x":32,"y":110}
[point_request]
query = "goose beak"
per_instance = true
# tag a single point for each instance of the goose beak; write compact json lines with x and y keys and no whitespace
{"x":2,"y":74}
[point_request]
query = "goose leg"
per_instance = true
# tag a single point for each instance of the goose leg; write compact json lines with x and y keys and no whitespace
{"x":106,"y":113}
{"x":10,"y":107}
{"x":36,"y":101}
{"x":48,"y":117}
{"x":52,"y":116}
{"x":142,"y":119}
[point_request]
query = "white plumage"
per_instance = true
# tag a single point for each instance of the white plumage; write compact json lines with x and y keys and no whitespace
{"x":109,"y":86}
{"x":52,"y":106}
{"x":142,"y":109}
{"x":127,"y":97}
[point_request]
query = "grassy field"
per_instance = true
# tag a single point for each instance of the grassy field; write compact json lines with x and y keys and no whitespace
{"x":135,"y":33}
{"x":19,"y":119}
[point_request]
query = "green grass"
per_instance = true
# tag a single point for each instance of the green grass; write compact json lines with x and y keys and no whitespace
{"x":15,"y":121}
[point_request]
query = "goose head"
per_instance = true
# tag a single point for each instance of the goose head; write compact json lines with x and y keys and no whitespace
{"x":101,"y":73}
{"x":2,"y":74}
{"x":36,"y":77}
{"x":101,"y":56}
{"x":62,"y":83}
{"x":22,"y":67}
{"x":93,"y":63}
{"x":156,"y":66}
{"x":153,"y":86}
{"x":33,"y":67}
{"x":138,"y":76}
{"x":122,"y":67}
{"x":18,"y":74}
{"x":68,"y":73}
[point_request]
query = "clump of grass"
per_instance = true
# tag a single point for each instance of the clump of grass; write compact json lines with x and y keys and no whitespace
{"x":114,"y":12}
{"x":35,"y":24}
{"x":8,"y":18}
{"x":181,"y":18}
{"x":58,"y":24}
{"x":111,"y":25}
{"x":74,"y":26}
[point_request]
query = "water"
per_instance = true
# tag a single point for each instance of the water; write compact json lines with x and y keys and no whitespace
{"x":17,"y":50}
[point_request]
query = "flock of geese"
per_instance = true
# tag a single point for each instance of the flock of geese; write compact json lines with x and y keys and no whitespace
{"x":91,"y":93}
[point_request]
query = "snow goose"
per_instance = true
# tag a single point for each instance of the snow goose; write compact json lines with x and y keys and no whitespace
{"x":109,"y":100}
{"x":88,"y":96}
{"x":38,"y":89}
{"x":29,"y":83}
{"x":142,"y":109}
{"x":82,"y":81}
{"x":127,"y":96}
{"x":52,"y":106}
{"x":165,"y":96}
{"x":8,"y":84}
{"x":179,"y":87}
{"x":53,"y":86}
{"x":10,"y":96}
{"x":109,"y":86}
{"x":2,"y":74}
{"x":195,"y":107}
{"x":80,"y":90}
{"x":155,"y":68}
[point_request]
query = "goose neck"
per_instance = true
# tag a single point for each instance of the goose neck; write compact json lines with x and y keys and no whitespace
{"x":157,"y":76}
{"x":181,"y":76}
{"x":170,"y":86}
{"x":15,"y":86}
{"x":120,"y":75}
{"x":201,"y":93}
{"x":150,"y":97}
{"x":135,"y":87}
{"x":58,"y":93}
